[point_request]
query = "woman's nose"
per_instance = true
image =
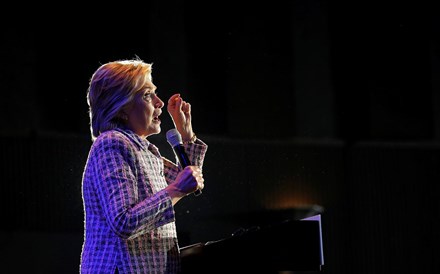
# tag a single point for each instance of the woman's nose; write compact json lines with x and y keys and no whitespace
{"x":159,"y":103}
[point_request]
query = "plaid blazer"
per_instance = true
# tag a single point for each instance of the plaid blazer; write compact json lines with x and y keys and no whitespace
{"x":129,"y":219}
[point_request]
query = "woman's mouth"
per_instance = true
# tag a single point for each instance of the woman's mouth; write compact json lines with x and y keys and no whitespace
{"x":156,"y":119}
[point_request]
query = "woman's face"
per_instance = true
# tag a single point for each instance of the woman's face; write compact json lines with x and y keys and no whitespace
{"x":143,"y":113}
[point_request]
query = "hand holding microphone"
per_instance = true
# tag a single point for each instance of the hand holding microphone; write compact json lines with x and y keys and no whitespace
{"x":175,"y":140}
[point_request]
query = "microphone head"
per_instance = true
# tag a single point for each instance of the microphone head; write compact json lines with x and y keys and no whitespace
{"x":173,"y":137}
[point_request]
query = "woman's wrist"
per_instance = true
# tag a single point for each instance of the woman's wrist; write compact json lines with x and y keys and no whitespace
{"x":191,"y":140}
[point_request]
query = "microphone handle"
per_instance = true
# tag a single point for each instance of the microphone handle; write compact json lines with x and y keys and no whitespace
{"x":184,"y":161}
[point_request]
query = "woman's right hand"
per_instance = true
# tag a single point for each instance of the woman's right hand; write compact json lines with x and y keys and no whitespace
{"x":187,"y":181}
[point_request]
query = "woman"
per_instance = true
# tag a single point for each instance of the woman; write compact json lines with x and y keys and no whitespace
{"x":128,"y":188}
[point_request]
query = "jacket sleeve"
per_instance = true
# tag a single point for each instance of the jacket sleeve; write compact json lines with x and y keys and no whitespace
{"x":196,"y":153}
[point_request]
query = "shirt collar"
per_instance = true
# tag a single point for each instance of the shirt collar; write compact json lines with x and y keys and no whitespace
{"x":142,"y":142}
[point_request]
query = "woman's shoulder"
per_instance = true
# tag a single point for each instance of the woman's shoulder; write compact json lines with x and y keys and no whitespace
{"x":113,"y":138}
{"x":111,"y":134}
{"x":120,"y":137}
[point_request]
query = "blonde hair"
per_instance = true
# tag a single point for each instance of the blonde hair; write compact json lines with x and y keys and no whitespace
{"x":112,"y":87}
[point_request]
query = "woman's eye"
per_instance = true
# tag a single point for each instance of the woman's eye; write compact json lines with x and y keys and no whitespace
{"x":147,"y":97}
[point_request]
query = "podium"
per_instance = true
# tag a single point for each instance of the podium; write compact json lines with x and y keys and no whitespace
{"x":292,"y":245}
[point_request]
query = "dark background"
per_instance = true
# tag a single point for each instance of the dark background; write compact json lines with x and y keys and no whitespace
{"x":308,"y":107}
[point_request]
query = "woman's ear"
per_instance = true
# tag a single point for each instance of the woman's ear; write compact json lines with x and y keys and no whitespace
{"x":123,"y":115}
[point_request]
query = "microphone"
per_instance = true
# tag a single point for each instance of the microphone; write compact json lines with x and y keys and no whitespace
{"x":175,"y":140}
